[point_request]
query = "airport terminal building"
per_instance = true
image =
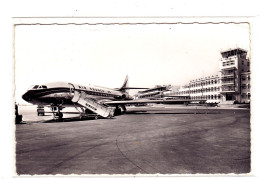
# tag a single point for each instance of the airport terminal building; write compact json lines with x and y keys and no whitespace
{"x":230,"y":85}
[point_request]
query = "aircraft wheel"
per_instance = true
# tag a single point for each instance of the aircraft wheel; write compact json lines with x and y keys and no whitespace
{"x":60,"y":115}
{"x":118,"y":111}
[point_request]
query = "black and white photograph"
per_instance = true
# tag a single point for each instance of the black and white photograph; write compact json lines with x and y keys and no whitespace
{"x":132,"y":97}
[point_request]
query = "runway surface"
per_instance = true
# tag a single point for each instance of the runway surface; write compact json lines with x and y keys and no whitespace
{"x":146,"y":140}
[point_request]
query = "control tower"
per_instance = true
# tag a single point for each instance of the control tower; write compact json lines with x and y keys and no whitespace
{"x":233,"y":64}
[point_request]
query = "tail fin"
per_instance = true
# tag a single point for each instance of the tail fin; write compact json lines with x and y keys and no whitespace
{"x":125,"y":84}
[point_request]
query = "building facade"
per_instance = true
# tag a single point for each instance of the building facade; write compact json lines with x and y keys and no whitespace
{"x":233,"y":64}
{"x":245,"y":87}
{"x":202,"y":89}
{"x":230,"y":85}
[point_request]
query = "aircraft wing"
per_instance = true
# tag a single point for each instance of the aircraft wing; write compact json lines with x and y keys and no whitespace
{"x":134,"y":88}
{"x":126,"y":88}
{"x":142,"y":101}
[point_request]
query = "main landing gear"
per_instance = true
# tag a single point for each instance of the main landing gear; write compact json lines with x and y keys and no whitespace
{"x":57,"y":114}
{"x":120,"y":110}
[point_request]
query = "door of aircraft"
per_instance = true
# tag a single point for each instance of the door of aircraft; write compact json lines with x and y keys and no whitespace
{"x":72,"y":88}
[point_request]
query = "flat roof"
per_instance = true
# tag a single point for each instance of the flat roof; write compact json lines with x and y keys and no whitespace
{"x":231,"y":52}
{"x":153,"y":89}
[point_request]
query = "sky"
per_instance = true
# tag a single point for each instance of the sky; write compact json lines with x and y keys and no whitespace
{"x":154,"y":54}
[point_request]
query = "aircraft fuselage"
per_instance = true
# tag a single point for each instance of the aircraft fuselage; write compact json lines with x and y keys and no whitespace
{"x":62,"y":93}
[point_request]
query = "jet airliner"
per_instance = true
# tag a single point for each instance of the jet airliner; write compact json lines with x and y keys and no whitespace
{"x":105,"y":102}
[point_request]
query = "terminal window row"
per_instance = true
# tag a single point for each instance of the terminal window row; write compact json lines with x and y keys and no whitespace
{"x":245,"y":86}
{"x":244,"y":95}
{"x":208,"y":97}
{"x":227,"y":63}
{"x":229,"y":88}
{"x":200,"y":90}
{"x":243,"y":63}
{"x":228,"y":81}
{"x":204,"y":83}
{"x":227,"y":72}
{"x":243,"y":78}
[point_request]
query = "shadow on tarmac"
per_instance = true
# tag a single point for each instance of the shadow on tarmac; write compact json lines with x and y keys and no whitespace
{"x":71,"y":119}
{"x":141,"y":112}
{"x":74,"y":119}
{"x":194,"y":112}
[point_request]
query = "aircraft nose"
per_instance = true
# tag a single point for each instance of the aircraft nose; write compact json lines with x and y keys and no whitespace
{"x":26,"y":97}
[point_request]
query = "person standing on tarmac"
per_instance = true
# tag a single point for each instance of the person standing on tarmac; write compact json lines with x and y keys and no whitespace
{"x":18,"y":118}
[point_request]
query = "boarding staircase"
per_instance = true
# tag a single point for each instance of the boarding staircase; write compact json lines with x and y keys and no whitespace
{"x":100,"y":109}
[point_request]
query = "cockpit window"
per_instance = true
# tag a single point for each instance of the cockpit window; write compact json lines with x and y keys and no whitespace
{"x":39,"y":87}
{"x":50,"y":85}
{"x":35,"y":87}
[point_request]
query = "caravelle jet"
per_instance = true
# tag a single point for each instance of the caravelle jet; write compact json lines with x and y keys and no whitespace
{"x":105,"y":102}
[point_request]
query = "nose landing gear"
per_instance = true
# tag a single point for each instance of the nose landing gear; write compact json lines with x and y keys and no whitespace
{"x":57,"y":114}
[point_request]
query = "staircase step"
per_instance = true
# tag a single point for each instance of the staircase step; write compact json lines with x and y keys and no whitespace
{"x":100,"y":109}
